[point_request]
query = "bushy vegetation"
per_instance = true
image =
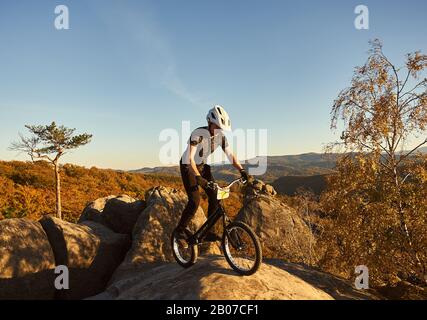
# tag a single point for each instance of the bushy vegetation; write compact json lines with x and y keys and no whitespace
{"x":28,"y":189}
{"x":377,"y":213}
{"x":363,"y":226}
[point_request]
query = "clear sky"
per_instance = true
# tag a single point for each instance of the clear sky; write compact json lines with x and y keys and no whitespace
{"x":128,"y":69}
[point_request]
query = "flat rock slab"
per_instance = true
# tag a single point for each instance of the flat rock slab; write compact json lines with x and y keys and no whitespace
{"x":209,"y":279}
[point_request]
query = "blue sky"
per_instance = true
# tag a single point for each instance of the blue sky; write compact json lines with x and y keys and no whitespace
{"x":128,"y":69}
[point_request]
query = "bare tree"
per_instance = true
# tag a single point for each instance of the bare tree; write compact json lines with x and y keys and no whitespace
{"x":384,"y":107}
{"x":49,"y":143}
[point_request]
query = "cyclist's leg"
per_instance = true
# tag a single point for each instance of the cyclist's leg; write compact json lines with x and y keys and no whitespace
{"x":213,"y":201}
{"x":213,"y":234}
{"x":192,"y":190}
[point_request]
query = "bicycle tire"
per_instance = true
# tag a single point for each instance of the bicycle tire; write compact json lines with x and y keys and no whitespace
{"x":194,"y":253}
{"x":255,"y":241}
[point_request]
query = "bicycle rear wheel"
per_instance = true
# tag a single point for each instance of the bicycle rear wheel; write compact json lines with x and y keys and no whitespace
{"x":241,"y":248}
{"x":185,"y":254}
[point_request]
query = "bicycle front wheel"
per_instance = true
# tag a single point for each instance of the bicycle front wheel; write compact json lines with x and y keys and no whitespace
{"x":241,"y":248}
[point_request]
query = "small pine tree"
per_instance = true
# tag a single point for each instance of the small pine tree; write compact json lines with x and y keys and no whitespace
{"x":49,"y":143}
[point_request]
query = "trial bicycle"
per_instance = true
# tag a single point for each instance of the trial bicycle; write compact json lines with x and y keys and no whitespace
{"x":240,"y":245}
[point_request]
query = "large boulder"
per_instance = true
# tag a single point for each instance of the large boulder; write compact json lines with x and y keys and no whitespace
{"x":93,"y":211}
{"x":211,"y":278}
{"x":119,"y":213}
{"x":26,"y":261}
{"x":90,"y":251}
{"x":281,"y":230}
{"x":152,"y":232}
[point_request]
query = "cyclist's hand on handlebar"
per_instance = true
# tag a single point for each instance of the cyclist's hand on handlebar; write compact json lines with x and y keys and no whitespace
{"x":246,"y":177}
{"x":202,"y":182}
{"x":212,"y":185}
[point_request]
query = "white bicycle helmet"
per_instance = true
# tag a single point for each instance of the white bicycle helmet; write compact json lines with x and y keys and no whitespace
{"x":219,"y":116}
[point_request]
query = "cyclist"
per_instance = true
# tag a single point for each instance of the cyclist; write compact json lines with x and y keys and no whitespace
{"x":196,"y":173}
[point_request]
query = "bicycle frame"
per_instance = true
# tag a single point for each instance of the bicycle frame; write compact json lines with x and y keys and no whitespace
{"x":211,"y":221}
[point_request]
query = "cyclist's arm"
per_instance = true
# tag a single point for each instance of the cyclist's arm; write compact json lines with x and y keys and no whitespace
{"x":232,"y":158}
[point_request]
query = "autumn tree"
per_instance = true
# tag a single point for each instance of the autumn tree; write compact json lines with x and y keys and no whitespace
{"x":49,"y":143}
{"x":384,"y":116}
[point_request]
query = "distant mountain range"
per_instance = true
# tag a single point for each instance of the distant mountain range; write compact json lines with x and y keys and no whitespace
{"x":308,"y":164}
{"x":286,"y":173}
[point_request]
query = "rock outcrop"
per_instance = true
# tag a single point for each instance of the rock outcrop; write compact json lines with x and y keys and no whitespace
{"x":119,"y":213}
{"x":100,"y":254}
{"x":212,"y":279}
{"x":152,"y":232}
{"x":26,"y":261}
{"x":259,"y":187}
{"x":90,"y":251}
{"x":281,"y":229}
{"x":147,"y":272}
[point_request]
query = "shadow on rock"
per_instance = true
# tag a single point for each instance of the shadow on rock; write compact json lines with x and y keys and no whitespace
{"x":90,"y":251}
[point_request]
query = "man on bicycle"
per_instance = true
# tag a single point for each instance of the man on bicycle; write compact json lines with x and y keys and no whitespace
{"x":195,"y":172}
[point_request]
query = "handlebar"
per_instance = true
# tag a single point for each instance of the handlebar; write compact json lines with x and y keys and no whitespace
{"x":216,"y":186}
